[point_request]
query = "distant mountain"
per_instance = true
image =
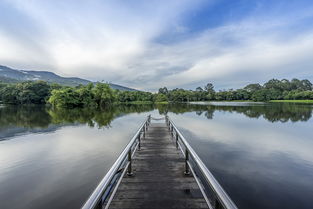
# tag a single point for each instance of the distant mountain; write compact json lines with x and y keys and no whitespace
{"x":7,"y":80}
{"x":10,"y":75}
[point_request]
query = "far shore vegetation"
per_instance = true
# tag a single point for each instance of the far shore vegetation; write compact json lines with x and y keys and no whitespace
{"x":100,"y":94}
{"x":294,"y":101}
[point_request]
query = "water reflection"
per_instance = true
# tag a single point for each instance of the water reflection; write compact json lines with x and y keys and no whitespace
{"x":41,"y":116}
{"x":277,"y":112}
{"x":260,"y":153}
{"x":261,"y":164}
{"x":58,"y":163}
{"x":95,"y":117}
{"x":16,"y":120}
{"x":27,"y":116}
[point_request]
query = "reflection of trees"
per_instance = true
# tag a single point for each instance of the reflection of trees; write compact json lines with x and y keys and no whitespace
{"x":29,"y":116}
{"x":281,"y":112}
{"x":100,"y":117}
{"x":179,"y":108}
{"x":42,"y":117}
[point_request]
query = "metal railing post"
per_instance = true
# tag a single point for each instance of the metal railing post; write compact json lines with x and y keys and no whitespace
{"x":177,"y":140}
{"x":187,"y":169}
{"x":139,"y":142}
{"x":99,"y":205}
{"x":218,"y":205}
{"x":144,"y":130}
{"x":129,"y":171}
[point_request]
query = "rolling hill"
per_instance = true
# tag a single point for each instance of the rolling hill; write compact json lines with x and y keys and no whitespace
{"x":10,"y":75}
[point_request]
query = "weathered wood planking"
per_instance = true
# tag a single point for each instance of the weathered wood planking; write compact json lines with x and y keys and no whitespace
{"x":158,"y":180}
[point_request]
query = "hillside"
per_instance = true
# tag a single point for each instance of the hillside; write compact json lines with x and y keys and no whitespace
{"x":10,"y":75}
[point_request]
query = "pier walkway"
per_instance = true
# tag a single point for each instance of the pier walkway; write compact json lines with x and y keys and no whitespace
{"x":158,"y":169}
{"x":158,"y":179}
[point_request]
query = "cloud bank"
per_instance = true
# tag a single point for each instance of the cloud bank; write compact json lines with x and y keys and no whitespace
{"x":149,"y":44}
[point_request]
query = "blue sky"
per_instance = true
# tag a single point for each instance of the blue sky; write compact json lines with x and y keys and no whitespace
{"x":150,"y":44}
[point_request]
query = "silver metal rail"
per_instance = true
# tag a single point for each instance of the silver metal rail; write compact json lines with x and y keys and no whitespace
{"x":212,"y":191}
{"x":102,"y":195}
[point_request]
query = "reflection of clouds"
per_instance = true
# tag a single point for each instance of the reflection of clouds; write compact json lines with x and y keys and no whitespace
{"x":259,"y":164}
{"x":58,"y":163}
{"x":12,"y":132}
{"x":256,"y":136}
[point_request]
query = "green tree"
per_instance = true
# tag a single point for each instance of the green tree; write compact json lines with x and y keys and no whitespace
{"x":261,"y":96}
{"x":86,"y":95}
{"x":209,"y":88}
{"x":65,"y":98}
{"x":26,"y":93}
{"x":161,"y":98}
{"x":103,"y":94}
{"x":253,"y":87}
{"x":163,"y":90}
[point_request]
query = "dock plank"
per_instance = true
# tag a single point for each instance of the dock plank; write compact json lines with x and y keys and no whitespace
{"x":158,"y":180}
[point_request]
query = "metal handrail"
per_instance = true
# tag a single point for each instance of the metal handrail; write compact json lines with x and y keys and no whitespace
{"x":98,"y":197}
{"x":222,"y":199}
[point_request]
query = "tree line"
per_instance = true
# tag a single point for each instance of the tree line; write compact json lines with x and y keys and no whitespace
{"x":274,"y":89}
{"x":100,"y":94}
{"x":91,"y":95}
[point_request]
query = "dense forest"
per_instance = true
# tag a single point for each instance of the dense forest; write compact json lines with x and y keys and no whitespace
{"x":100,"y":94}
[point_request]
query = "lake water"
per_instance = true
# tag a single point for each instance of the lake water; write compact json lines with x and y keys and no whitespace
{"x":262,"y":154}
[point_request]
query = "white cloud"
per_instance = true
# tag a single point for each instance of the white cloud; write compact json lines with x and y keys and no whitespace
{"x":115,"y":41}
{"x":227,"y":50}
{"x":92,"y":38}
{"x":259,"y":56}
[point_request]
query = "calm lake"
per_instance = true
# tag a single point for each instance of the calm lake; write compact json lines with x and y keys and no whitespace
{"x":262,"y":154}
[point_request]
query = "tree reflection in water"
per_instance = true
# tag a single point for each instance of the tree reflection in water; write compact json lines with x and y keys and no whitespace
{"x":276,"y":112}
{"x":42,"y":116}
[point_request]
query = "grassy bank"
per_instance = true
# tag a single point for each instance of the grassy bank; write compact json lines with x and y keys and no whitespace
{"x":142,"y":102}
{"x":271,"y":101}
{"x":135,"y":102}
{"x":221,"y":101}
{"x":161,"y":103}
{"x":234,"y":101}
{"x":294,"y":101}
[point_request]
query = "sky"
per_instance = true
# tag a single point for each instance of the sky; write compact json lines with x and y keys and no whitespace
{"x":151,"y":44}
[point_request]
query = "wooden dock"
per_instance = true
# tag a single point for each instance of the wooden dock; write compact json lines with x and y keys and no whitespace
{"x":158,"y":179}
